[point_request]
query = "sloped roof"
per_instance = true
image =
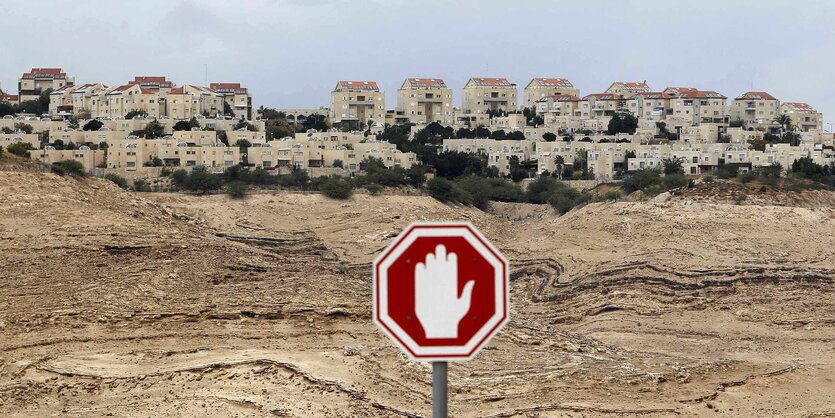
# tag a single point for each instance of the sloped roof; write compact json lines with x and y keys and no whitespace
{"x":490,"y":82}
{"x":701,"y":94}
{"x":45,"y":73}
{"x":551,"y":82}
{"x":604,"y":96}
{"x":358,"y":85}
{"x":631,"y":86}
{"x":228,"y":88}
{"x":799,"y":107}
{"x":756,"y":95}
{"x":155,"y":81}
{"x":654,"y":95}
{"x":560,"y":98}
{"x":427,"y":82}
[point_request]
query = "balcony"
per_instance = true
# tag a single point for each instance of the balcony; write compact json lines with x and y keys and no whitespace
{"x":429,"y":100}
{"x":496,"y":99}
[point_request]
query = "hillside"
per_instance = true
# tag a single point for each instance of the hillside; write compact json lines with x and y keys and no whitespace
{"x":181,"y":305}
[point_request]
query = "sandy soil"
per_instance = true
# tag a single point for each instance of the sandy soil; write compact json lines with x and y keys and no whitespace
{"x":146,"y":305}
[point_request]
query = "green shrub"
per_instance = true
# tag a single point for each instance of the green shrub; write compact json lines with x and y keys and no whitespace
{"x":336,"y":188}
{"x":70,"y":167}
{"x":297,"y":179}
{"x":674,"y":181}
{"x":165,"y":172}
{"x":373,"y":188}
{"x":539,"y":190}
{"x":202,"y":181}
{"x":447,"y":191}
{"x":141,"y":185}
{"x":119,"y":180}
{"x":179,"y":177}
{"x":483,"y":190}
{"x":641,"y":180}
{"x":747,"y":177}
{"x":21,"y":149}
{"x":236,"y":189}
{"x":708,"y":179}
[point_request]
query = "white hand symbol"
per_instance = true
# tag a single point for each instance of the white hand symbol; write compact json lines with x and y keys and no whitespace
{"x":437,"y":305}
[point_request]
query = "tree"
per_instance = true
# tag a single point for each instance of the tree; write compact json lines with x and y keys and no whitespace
{"x":337,"y":163}
{"x":559,"y":161}
{"x":622,"y":123}
{"x":236,"y":189}
{"x":227,"y":109}
{"x":93,"y":125}
{"x":278,"y":128}
{"x":43,"y":100}
{"x":6,"y":109}
{"x":785,"y":122}
{"x":447,"y":191}
{"x":243,"y":124}
{"x":202,"y":181}
{"x":549,"y":136}
{"x":672,"y":166}
{"x":516,"y":135}
{"x":181,"y":126}
{"x":117,"y":179}
{"x":498,"y":134}
{"x":24,"y":127}
{"x":134,"y":113}
{"x":153,"y":129}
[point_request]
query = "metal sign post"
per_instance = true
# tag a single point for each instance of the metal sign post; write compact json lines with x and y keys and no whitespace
{"x":439,"y":389}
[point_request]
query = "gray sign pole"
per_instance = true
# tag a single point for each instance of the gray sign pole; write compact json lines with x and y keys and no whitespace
{"x":439,"y":389}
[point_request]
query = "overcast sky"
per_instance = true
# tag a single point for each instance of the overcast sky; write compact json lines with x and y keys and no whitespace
{"x":291,"y":53}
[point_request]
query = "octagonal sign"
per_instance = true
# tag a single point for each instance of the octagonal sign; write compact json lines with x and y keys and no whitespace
{"x":441,"y":291}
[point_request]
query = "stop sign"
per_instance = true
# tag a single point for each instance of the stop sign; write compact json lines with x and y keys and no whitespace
{"x":441,"y":291}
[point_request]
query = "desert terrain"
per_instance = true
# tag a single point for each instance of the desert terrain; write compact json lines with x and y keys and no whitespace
{"x":160,"y":304}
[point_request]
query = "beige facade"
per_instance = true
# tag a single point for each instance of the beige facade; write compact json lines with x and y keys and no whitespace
{"x":237,"y":97}
{"x":358,"y":102}
{"x":482,"y":94}
{"x":653,"y":106}
{"x":755,"y":108}
{"x":600,"y":105}
{"x":9,"y":139}
{"x":88,"y":158}
{"x":695,"y":107}
{"x":119,"y":101}
{"x":425,"y":100}
{"x":559,"y":105}
{"x":803,"y":116}
{"x":540,"y":88}
{"x":37,"y":80}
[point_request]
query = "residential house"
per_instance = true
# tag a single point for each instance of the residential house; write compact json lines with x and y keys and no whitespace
{"x":540,"y":88}
{"x":358,"y":103}
{"x":425,"y":100}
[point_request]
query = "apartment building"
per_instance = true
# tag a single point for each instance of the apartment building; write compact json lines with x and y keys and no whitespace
{"x":628,"y":88}
{"x":481,"y":95}
{"x":236,"y":97}
{"x":153,"y":83}
{"x":653,"y":106}
{"x":425,"y":100}
{"x":132,"y":153}
{"x":37,"y":80}
{"x":358,"y":103}
{"x":693,"y":107}
{"x":559,"y":105}
{"x":116,"y":102}
{"x":540,"y":88}
{"x":600,"y":105}
{"x":755,"y":108}
{"x":803,"y":116}
{"x":188,"y":101}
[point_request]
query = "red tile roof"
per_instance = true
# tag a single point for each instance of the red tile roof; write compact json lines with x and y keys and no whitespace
{"x":45,"y":73}
{"x":427,"y":82}
{"x":631,"y":86}
{"x":799,"y":107}
{"x":228,"y":88}
{"x":756,"y":95}
{"x":701,"y":94}
{"x":8,"y":97}
{"x":552,"y":82}
{"x":358,"y":85}
{"x":490,"y":82}
{"x":676,"y":91}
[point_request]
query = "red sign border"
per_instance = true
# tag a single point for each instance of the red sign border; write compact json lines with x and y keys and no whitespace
{"x":505,"y":282}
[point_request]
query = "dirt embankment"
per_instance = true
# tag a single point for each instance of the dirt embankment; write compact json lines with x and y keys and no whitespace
{"x":176,"y":305}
